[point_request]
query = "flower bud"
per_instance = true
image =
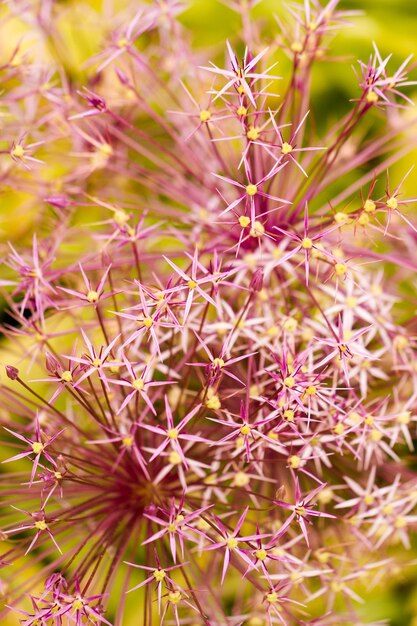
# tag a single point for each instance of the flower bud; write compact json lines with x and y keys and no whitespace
{"x":257,"y":280}
{"x":12,"y":372}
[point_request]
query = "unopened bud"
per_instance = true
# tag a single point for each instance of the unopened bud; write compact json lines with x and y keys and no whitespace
{"x":257,"y":280}
{"x":12,"y":372}
{"x":52,"y":365}
{"x":59,"y":202}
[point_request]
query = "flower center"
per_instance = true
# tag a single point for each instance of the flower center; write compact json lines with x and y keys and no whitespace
{"x":66,"y":376}
{"x":173,"y":433}
{"x":92,"y":296}
{"x":138,"y":384}
{"x":286,"y":148}
{"x":37,"y":447}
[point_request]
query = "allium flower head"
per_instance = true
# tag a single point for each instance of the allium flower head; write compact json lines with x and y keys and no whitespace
{"x":208,"y":409}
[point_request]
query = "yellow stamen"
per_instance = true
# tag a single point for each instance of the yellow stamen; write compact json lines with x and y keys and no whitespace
{"x":66,"y":376}
{"x":92,"y":296}
{"x":253,"y":133}
{"x":138,"y":384}
{"x":286,"y":148}
{"x":37,"y":447}
{"x":205,"y":115}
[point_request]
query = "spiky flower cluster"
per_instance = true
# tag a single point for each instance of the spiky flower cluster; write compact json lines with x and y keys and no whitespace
{"x":210,"y":405}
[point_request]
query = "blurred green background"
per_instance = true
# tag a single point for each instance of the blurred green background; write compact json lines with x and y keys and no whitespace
{"x":392,"y":24}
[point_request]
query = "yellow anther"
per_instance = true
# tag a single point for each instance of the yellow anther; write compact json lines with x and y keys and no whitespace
{"x":341,"y":218}
{"x":138,"y":384}
{"x":400,"y":522}
{"x":388,"y":509}
{"x":147,"y":322}
{"x":105,"y":149}
{"x":369,"y":420}
{"x":354,"y":418}
{"x":289,"y":415}
{"x":400,"y":342}
{"x":37,"y":447}
{"x":325,"y":496}
{"x":336,"y":586}
{"x":290,"y":325}
{"x":242,"y":111}
{"x":57,"y":475}
{"x":253,"y":133}
{"x":123,"y":42}
{"x":210,"y":480}
{"x":300,"y":510}
{"x":312,"y":26}
{"x":250,"y":260}
{"x":77,"y":604}
{"x":213,"y":402}
{"x":311,"y":390}
{"x":128,"y":441}
{"x":114,"y":369}
{"x":232,"y":543}
{"x":272,"y":331}
{"x":261,"y":554}
{"x":245,"y":430}
{"x":289,"y":382}
{"x":18,"y":151}
{"x":92,"y":296}
{"x":66,"y":376}
{"x":297,"y":47}
{"x":244,"y":221}
{"x":371,"y":97}
{"x":241,"y":90}
{"x":120,"y":217}
{"x":251,"y":189}
{"x":339,"y":429}
{"x":159,"y":575}
{"x":369,"y":206}
{"x":392,"y":203}
{"x":272,"y":597}
{"x":286,"y":148}
{"x":173,"y":433}
{"x":294,"y":461}
{"x":340,"y":269}
{"x":351,"y":302}
{"x":218,"y":363}
{"x":256,"y":621}
{"x":97,"y":362}
{"x":376,"y":435}
{"x":174,"y":458}
{"x":257,"y":230}
{"x":368,"y":499}
{"x":404,"y":418}
{"x":41,"y":525}
{"x":363,"y":219}
{"x":205,"y":115}
{"x":174,"y":597}
{"x":241,"y":479}
{"x":322,"y":557}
